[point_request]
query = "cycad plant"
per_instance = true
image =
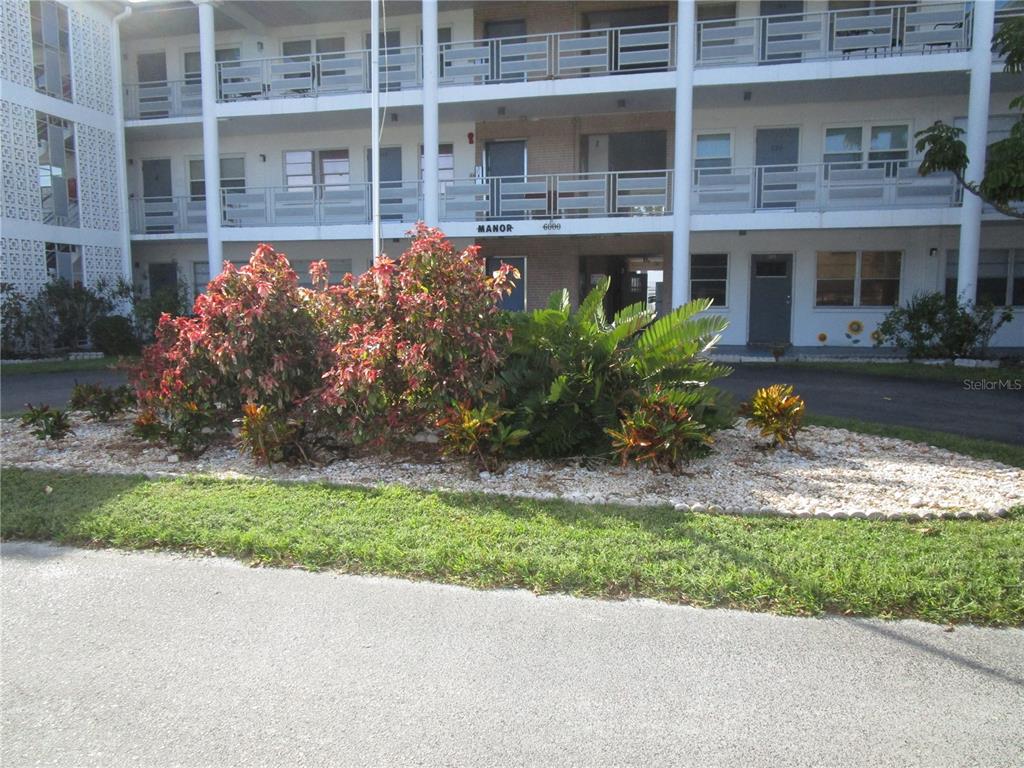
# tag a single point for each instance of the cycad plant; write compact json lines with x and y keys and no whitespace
{"x":570,"y":376}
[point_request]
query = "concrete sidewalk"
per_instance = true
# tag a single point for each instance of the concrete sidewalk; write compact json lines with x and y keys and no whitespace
{"x":151,"y":659}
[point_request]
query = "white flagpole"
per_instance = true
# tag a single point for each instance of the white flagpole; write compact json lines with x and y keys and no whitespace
{"x":375,"y":133}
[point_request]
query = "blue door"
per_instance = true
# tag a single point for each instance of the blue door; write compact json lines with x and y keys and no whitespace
{"x":515,"y":301}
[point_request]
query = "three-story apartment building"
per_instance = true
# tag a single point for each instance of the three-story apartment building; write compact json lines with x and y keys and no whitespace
{"x":758,"y":153}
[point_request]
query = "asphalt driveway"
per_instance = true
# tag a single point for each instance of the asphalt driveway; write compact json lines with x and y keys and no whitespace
{"x":943,"y":406}
{"x":114,"y":659}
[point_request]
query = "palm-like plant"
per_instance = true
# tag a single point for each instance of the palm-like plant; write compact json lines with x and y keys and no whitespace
{"x":571,"y":375}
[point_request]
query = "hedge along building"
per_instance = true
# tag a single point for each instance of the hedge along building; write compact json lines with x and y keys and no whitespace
{"x":757,"y":153}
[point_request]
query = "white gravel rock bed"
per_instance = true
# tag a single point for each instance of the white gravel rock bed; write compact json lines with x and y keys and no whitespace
{"x":836,"y":474}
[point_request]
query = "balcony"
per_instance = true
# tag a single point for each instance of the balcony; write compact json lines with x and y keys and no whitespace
{"x":317,"y":74}
{"x":820,"y":187}
{"x":846,"y":34}
{"x":586,"y":53}
{"x":561,"y":195}
{"x":318,"y":205}
{"x":158,"y":100}
{"x":167,"y":215}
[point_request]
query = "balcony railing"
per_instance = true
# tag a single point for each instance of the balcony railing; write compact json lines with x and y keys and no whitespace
{"x":820,"y":187}
{"x":168,"y":215}
{"x":317,"y":74}
{"x":559,"y":195}
{"x":318,"y":205}
{"x":578,"y":53}
{"x":166,"y":98}
{"x":845,"y":34}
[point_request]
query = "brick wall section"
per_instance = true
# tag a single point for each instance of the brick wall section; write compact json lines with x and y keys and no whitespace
{"x":543,"y":16}
{"x":553,"y":263}
{"x":553,"y":145}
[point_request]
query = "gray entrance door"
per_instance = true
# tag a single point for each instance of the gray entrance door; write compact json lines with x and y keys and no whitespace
{"x":776,"y":149}
{"x":390,"y":179}
{"x":157,"y":203}
{"x":507,"y":160}
{"x":771,"y":287}
{"x":505,"y":34}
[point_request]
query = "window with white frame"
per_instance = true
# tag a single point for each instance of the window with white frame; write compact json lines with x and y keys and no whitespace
{"x":232,"y":176}
{"x":714,"y":153}
{"x":200,"y":277}
{"x":708,"y":277}
{"x":58,"y":170}
{"x":51,"y":48}
{"x":1000,"y":276}
{"x":64,"y":262}
{"x":445,"y":162}
{"x":887,"y":147}
{"x":304,"y":168}
{"x":858,"y":278}
{"x":193,"y":63}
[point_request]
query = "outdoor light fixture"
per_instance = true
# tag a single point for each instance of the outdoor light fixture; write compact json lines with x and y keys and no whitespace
{"x":259,"y":45}
{"x":263,"y":157}
{"x":501,"y":110}
{"x":394,"y":117}
{"x":747,"y":95}
{"x":621,"y":103}
{"x":933,"y":252}
{"x":469,"y":137}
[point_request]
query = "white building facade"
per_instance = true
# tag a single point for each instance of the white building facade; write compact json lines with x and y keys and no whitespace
{"x":759,"y":153}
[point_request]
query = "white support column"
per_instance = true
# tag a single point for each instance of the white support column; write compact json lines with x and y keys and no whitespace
{"x":211,"y":140}
{"x":122,"y":169}
{"x":683,"y":155}
{"x":431,"y":190}
{"x":977,"y":143}
{"x":375,"y":129}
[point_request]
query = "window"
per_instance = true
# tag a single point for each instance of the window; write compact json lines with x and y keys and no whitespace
{"x":1000,"y":276}
{"x":193,"y":64}
{"x":232,"y":176}
{"x":708,"y":277}
{"x":858,"y":278}
{"x":716,"y":11}
{"x":200,"y":277}
{"x":51,"y":56}
{"x":714,"y":152}
{"x":445,"y":162}
{"x":58,"y":170}
{"x":305,"y":167}
{"x":843,"y":145}
{"x":64,"y":262}
{"x":888,"y":147}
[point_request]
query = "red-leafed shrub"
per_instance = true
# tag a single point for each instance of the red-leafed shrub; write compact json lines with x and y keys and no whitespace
{"x":413,"y":336}
{"x":254,"y":338}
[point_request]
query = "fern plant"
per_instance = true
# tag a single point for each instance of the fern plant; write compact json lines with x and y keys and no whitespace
{"x":569,"y":376}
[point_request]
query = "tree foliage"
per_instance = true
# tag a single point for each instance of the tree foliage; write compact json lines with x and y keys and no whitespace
{"x":1002,"y":186}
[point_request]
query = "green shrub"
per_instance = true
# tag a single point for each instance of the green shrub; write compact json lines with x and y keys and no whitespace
{"x":101,"y":402}
{"x":776,"y":412}
{"x":659,"y":432}
{"x":46,"y":423}
{"x":570,"y":376}
{"x":480,"y":433}
{"x":936,"y":325}
{"x":114,"y":335}
{"x":269,"y":437}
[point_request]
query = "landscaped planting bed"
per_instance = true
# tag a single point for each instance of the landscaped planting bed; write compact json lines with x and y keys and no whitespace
{"x":834,"y":473}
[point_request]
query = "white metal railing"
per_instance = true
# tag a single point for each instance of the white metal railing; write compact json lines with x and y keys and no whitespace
{"x":167,"y":215}
{"x":820,"y":187}
{"x":855,"y":33}
{"x":317,"y":73}
{"x":165,"y":98}
{"x":318,"y":205}
{"x":576,"y":53}
{"x":558,"y":195}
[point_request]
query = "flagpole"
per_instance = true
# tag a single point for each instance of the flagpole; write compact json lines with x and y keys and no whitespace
{"x":375,"y":133}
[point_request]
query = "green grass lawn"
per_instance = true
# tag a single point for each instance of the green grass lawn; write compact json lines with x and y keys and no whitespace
{"x":940,"y":571}
{"x":66,"y":366}
{"x":917,"y":371}
{"x":1012,"y":455}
